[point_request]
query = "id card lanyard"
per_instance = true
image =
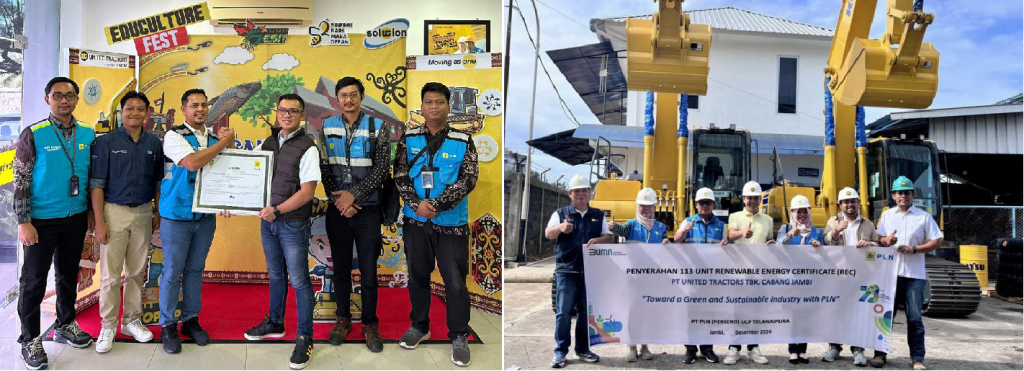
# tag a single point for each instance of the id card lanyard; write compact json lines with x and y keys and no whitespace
{"x":346,"y":171}
{"x":73,"y":182}
{"x":427,"y":177}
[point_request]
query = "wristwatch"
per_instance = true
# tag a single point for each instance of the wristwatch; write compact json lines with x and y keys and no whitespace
{"x":277,"y":213}
{"x":915,"y":249}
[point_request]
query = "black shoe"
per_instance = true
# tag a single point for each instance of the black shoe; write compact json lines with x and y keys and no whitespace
{"x":805,"y":360}
{"x":169,"y":336}
{"x":794,"y":359}
{"x":710,"y":356}
{"x":588,"y":356}
{"x":266,"y":329}
{"x":460,"y":351}
{"x":878,"y":361}
{"x":303,"y":350}
{"x":374,"y":342}
{"x":72,"y":335}
{"x":412,"y":338}
{"x":192,"y":329}
{"x":690,"y":356}
{"x":33,"y":354}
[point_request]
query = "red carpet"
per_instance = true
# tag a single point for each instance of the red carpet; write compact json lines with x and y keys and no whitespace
{"x":229,"y":310}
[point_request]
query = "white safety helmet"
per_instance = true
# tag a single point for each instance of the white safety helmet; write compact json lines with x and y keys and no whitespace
{"x":577,"y":182}
{"x":462,"y":39}
{"x":799,"y":202}
{"x":848,"y":194}
{"x":646,"y":197}
{"x":752,"y":188}
{"x":704,"y":194}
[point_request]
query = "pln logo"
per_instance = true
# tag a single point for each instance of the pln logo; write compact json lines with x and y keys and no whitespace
{"x":874,"y":256}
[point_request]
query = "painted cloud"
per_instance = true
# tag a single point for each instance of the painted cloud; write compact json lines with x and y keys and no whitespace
{"x":281,"y":62}
{"x":234,"y":55}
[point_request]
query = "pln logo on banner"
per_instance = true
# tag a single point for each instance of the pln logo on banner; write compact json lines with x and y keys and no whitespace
{"x":875,"y":256}
{"x":386,"y":33}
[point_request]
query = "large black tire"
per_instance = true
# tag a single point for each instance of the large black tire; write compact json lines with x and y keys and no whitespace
{"x":1008,"y":281}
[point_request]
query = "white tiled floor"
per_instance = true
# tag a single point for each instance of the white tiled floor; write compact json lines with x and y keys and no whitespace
{"x":486,"y":356}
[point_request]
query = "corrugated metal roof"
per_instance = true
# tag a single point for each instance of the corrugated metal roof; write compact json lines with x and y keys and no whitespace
{"x":734,"y":19}
{"x":581,"y":66}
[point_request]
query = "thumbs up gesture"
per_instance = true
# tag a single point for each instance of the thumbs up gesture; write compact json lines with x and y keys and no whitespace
{"x":890,"y":239}
{"x":686,"y":227}
{"x":748,"y":233}
{"x":566,"y":225}
{"x":842,"y":225}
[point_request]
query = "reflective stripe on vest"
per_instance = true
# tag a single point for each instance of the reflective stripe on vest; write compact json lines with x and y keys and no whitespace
{"x":51,"y":173}
{"x":178,"y":185}
{"x":447,"y":160}
{"x":360,"y":155}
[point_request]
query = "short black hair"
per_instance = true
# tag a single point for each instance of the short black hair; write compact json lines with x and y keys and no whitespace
{"x":302,"y":103}
{"x":60,"y":79}
{"x":346,"y":81}
{"x":436,"y":87}
{"x":134,"y":95}
{"x":189,"y":92}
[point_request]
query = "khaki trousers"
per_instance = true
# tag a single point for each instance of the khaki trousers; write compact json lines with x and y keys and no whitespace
{"x":131,"y":229}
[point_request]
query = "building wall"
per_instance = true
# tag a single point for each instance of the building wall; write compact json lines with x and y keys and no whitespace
{"x":982,"y":134}
{"x":743,"y":85}
{"x":743,"y":90}
{"x":364,"y":15}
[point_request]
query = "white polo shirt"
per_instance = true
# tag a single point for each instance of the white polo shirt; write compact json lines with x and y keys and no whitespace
{"x":913,"y":228}
{"x":176,"y":147}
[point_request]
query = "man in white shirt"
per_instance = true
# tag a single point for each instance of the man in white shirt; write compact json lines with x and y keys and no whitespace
{"x":915,"y":233}
{"x":185,"y":236}
{"x":285,"y":227}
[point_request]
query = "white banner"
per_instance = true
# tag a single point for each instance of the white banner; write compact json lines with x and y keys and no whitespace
{"x":740,"y":294}
{"x":476,"y":61}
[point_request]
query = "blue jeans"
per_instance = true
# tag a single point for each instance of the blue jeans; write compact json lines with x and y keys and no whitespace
{"x":910,"y":291}
{"x":572,"y":292}
{"x":185,"y":246}
{"x":286,"y":247}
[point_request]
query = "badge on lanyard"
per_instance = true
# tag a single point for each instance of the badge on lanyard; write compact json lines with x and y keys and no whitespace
{"x":73,"y":186}
{"x":346,"y":175}
{"x":427,"y":179}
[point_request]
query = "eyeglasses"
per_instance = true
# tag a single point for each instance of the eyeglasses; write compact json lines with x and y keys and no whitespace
{"x":344,"y":96}
{"x":71,"y":97}
{"x":901,"y":193}
{"x":289,"y":112}
{"x":705,"y":202}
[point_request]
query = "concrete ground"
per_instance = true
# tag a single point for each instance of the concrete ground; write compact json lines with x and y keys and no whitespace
{"x":991,"y":338}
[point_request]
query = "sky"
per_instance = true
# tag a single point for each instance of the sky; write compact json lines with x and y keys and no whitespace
{"x":981,"y":57}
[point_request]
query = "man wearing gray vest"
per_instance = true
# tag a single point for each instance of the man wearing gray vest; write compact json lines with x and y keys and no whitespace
{"x":354,"y":152}
{"x":435,"y":170}
{"x":285,"y":228}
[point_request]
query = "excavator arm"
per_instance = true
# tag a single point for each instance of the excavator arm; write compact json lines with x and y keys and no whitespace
{"x":896,"y":70}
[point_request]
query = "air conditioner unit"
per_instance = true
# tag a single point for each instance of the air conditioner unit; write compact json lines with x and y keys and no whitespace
{"x":261,"y":12}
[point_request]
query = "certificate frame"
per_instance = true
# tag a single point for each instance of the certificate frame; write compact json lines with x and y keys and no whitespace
{"x":266,"y":157}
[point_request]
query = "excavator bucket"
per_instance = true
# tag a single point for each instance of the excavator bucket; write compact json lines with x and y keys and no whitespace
{"x":667,"y":63}
{"x":871,"y":78}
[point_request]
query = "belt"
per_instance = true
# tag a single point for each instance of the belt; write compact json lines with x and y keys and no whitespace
{"x":133,"y":205}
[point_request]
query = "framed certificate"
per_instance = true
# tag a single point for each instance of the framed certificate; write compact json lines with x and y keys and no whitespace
{"x":236,"y":180}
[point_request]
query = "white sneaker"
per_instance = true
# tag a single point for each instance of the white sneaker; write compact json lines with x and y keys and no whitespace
{"x":646,"y":353}
{"x":830,"y":355}
{"x":859,"y":359}
{"x":136,"y":330}
{"x":105,"y":341}
{"x":732,"y":357}
{"x":755,"y":355}
{"x":631,"y":355}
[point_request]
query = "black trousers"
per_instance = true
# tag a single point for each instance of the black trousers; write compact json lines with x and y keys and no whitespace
{"x":363,"y":229}
{"x":60,"y":243}
{"x":798,"y":348}
{"x":740,"y":347}
{"x":703,"y":348}
{"x":423,"y":245}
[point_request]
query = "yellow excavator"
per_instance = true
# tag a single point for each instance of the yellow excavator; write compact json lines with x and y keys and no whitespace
{"x":667,"y":56}
{"x":897,"y":70}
